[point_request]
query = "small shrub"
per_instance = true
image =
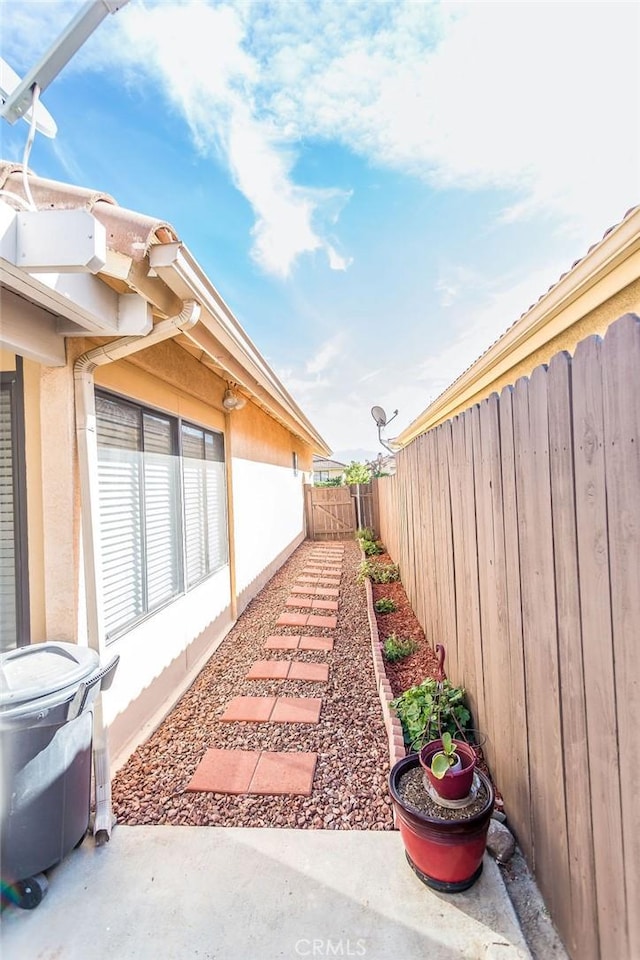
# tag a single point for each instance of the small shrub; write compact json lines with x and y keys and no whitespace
{"x":395,"y":648}
{"x":365,"y":533}
{"x":378,"y":572}
{"x":431,"y":709}
{"x":385,"y":605}
{"x":370,"y":547}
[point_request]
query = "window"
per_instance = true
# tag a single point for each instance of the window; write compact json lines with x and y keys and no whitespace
{"x":14,"y":579}
{"x":162,"y":508}
{"x":294,"y":463}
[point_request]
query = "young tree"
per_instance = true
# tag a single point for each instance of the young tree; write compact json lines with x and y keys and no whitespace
{"x":357,"y":473}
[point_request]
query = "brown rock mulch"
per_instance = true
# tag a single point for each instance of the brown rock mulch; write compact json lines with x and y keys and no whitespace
{"x":349,"y":788}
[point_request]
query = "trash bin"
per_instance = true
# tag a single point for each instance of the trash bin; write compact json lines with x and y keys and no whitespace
{"x":46,"y":730}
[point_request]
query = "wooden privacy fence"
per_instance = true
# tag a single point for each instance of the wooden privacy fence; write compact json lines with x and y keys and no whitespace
{"x":334,"y":513}
{"x":517,"y":529}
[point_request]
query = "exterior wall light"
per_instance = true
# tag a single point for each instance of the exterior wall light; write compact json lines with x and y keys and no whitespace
{"x":232,"y":400}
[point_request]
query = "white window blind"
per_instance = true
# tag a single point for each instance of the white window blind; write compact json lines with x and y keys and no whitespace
{"x":8,"y":619}
{"x":163,"y":529}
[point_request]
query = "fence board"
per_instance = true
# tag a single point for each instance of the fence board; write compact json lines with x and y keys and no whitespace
{"x":593,"y":561}
{"x":621,"y":363}
{"x":540,"y":641}
{"x":581,"y":938}
{"x":517,"y":527}
{"x":517,"y":790}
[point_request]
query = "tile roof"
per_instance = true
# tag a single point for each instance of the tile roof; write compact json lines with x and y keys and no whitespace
{"x":128,"y":232}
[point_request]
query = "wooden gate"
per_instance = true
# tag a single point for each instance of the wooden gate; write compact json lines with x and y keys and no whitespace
{"x":330,"y":513}
{"x":335,"y":513}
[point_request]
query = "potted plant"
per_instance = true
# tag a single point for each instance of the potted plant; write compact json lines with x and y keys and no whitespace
{"x":444,"y":846}
{"x":449,"y":766}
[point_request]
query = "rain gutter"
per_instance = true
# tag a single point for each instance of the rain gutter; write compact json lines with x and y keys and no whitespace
{"x":83,"y":373}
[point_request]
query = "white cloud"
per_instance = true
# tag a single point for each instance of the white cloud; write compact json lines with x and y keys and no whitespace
{"x":328,"y":352}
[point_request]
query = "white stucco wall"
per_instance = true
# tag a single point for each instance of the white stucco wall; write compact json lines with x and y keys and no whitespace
{"x":152,"y":646}
{"x":268,"y":515}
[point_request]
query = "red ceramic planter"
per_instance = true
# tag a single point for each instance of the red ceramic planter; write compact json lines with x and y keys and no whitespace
{"x":445,"y":854}
{"x":453,"y":786}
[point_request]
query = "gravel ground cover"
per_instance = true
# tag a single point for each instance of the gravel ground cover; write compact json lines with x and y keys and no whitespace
{"x":350,"y":784}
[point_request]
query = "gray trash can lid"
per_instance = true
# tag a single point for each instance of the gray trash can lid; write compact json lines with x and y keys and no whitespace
{"x":43,"y":669}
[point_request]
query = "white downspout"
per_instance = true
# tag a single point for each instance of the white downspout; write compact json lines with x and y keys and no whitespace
{"x":83,"y":371}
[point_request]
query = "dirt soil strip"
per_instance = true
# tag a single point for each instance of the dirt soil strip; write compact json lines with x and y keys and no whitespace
{"x":350,"y":784}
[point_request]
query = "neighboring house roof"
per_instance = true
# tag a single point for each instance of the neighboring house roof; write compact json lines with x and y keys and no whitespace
{"x":146,"y":256}
{"x":320,"y":464}
{"x":557,"y":321}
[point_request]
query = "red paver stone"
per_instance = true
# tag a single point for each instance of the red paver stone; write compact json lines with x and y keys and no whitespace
{"x":279,"y":773}
{"x":292,"y":620}
{"x":249,"y":709}
{"x":309,"y":591}
{"x":296,"y":710}
{"x":313,"y":672}
{"x":224,"y":771}
{"x":269,"y":670}
{"x":328,"y":591}
{"x":307,"y":580}
{"x":324,"y":604}
{"x":281,"y":643}
{"x":316,"y":643}
{"x":315,"y":620}
{"x":299,"y":602}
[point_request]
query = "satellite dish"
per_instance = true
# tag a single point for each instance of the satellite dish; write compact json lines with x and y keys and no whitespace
{"x":379,"y":416}
{"x":9,"y":81}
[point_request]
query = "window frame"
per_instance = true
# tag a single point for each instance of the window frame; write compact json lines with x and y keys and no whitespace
{"x":177,"y":422}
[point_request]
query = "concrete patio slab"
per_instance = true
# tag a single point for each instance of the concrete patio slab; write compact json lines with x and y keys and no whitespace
{"x":243,"y":894}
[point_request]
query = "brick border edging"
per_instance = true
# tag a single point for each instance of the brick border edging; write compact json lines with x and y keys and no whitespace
{"x":391,"y":721}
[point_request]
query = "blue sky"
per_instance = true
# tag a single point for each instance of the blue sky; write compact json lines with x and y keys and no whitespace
{"x":378,"y":190}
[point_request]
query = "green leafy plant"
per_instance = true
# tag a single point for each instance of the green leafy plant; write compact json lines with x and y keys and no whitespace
{"x":446,"y":758}
{"x":365,"y":533}
{"x":378,"y":572}
{"x":385,"y":605}
{"x":429,"y":710}
{"x":395,"y":648}
{"x":371,"y":547}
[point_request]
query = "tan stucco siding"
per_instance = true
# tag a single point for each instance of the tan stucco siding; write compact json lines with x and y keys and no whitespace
{"x":256,"y":436}
{"x":35,"y":523}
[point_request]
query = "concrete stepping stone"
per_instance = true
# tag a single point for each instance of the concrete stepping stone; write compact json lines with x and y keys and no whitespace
{"x":288,"y":670}
{"x":268,"y":670}
{"x":310,"y":602}
{"x":280,"y":642}
{"x":306,"y":620}
{"x":273,"y":710}
{"x":249,"y":709}
{"x":317,"y":620}
{"x":313,"y":672}
{"x":332,"y":581}
{"x":316,"y":643}
{"x":312,"y":591}
{"x":261,"y":772}
{"x":296,"y":710}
